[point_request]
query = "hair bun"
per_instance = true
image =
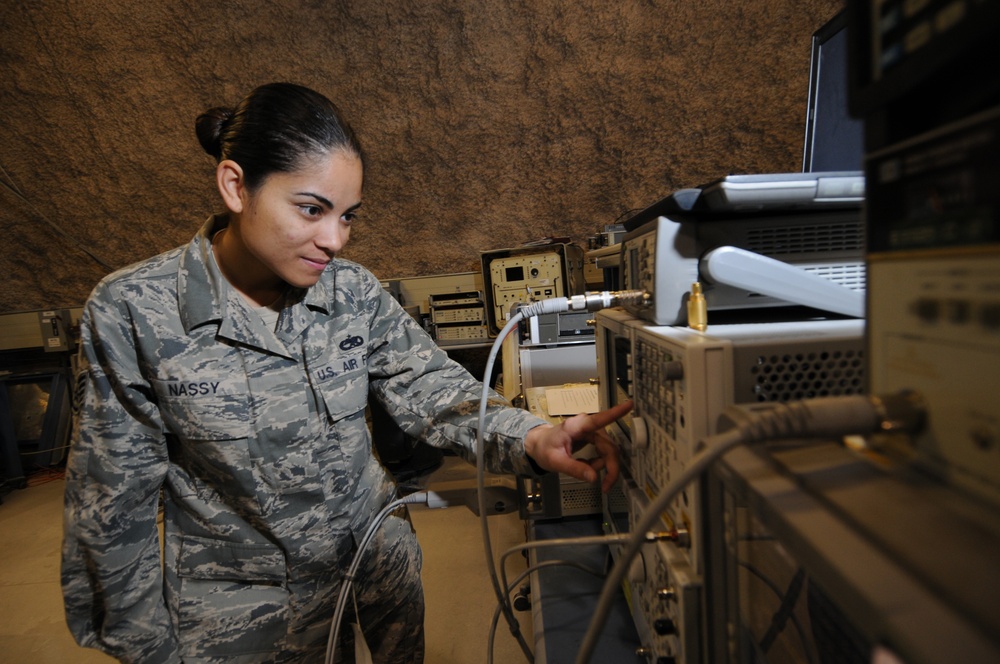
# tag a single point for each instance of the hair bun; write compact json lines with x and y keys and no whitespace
{"x":209,"y":126}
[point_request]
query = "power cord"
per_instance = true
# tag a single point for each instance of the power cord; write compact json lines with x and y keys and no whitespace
{"x":825,"y":418}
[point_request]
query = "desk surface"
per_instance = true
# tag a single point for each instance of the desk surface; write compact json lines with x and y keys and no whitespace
{"x":564,"y":598}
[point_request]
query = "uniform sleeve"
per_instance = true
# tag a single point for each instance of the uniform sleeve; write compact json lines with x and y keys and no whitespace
{"x":111,"y":574}
{"x":434,"y":399}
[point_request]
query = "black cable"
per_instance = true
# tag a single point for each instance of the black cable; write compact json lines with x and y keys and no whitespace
{"x":790,"y":615}
{"x":513,"y":584}
{"x":784,"y":612}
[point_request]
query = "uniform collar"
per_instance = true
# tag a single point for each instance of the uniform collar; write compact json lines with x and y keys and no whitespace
{"x":202,"y":291}
{"x":205,"y":296}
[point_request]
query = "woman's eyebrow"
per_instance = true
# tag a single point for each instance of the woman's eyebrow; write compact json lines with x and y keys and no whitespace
{"x":326,"y":202}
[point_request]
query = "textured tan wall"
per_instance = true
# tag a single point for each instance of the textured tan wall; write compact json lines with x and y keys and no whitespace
{"x":486,"y":123}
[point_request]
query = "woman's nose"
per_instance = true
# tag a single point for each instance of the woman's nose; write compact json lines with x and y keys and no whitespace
{"x":332,"y":237}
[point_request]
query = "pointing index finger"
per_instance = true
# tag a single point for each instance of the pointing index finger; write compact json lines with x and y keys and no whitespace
{"x":606,"y":417}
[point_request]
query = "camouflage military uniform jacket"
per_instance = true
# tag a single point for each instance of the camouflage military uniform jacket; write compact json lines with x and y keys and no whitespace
{"x":259,"y":441}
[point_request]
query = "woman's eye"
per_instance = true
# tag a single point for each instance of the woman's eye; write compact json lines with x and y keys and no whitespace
{"x":311,"y":210}
{"x":349,"y":217}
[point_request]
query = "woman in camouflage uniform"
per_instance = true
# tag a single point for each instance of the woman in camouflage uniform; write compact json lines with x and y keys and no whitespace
{"x":233,"y":374}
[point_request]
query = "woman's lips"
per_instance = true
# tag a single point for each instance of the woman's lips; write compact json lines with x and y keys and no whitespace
{"x":317,"y":263}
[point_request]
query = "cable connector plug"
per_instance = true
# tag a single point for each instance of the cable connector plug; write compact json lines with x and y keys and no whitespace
{"x":607,"y":299}
{"x":679,"y":536}
{"x":826,"y":417}
{"x":500,"y":495}
{"x":586,"y":302}
{"x":415,"y":498}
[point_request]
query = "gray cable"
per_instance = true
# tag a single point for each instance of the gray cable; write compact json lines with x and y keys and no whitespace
{"x":557,"y":542}
{"x":698,"y":464}
{"x":831,"y":417}
{"x":345,"y":586}
{"x":552,"y":305}
{"x":590,"y":302}
{"x":502,"y":599}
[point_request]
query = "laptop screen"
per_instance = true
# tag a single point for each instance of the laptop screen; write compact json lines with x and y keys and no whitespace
{"x":834,"y":140}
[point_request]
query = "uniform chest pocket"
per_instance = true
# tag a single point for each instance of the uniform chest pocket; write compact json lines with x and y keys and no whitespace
{"x":342,"y":385}
{"x":203,"y":410}
{"x":208,"y":433}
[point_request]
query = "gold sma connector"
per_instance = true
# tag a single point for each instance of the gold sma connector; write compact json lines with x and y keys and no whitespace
{"x":697,"y":309}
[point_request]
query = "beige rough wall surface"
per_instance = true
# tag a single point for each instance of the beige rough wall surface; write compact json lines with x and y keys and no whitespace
{"x":486,"y":124}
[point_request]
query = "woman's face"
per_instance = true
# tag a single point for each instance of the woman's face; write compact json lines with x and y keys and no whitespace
{"x":296,"y":222}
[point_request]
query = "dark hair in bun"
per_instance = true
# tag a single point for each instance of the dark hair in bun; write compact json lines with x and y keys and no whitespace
{"x":208,"y":126}
{"x":274,"y":129}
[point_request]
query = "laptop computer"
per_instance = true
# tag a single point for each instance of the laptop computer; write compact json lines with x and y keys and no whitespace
{"x":831,"y":176}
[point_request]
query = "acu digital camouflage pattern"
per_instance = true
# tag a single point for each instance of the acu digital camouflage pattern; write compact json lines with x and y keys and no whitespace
{"x":258,"y":439}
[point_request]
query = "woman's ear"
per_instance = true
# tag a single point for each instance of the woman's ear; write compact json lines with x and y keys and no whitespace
{"x":229,"y":179}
